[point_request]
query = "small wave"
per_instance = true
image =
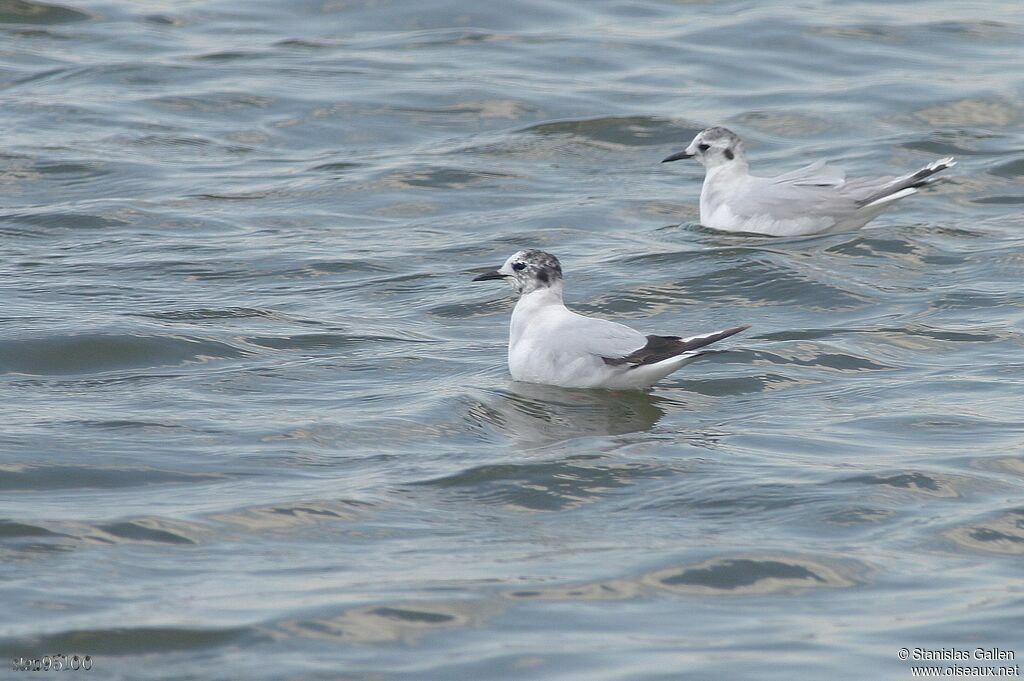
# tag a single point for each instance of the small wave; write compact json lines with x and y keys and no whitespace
{"x":38,"y":477}
{"x":129,"y":640}
{"x":30,"y":12}
{"x":1002,"y":534}
{"x":545,"y":486}
{"x":625,"y":131}
{"x":100,"y":352}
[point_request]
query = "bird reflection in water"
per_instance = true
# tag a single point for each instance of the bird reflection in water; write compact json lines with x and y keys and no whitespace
{"x":540,"y":414}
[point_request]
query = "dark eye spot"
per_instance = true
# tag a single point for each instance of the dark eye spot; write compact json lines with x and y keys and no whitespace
{"x":703,"y":147}
{"x":729,"y":155}
{"x":519,"y":266}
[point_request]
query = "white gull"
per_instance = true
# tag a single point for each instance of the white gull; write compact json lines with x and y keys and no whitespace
{"x":812,"y":200}
{"x":550,"y":344}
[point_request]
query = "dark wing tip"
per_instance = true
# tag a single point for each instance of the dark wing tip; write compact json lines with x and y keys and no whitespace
{"x":710,"y":338}
{"x":660,"y":348}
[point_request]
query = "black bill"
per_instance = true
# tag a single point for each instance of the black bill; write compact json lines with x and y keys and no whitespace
{"x":677,"y":157}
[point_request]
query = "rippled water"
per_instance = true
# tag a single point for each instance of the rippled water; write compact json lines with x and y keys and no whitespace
{"x":256,"y":418}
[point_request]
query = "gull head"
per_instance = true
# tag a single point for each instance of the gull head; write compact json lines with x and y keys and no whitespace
{"x":713,"y":147}
{"x":528,"y":271}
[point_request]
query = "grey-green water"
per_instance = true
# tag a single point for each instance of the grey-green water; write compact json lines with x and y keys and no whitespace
{"x":256,"y":419}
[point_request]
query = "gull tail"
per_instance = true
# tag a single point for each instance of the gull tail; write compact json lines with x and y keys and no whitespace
{"x":905,"y":185}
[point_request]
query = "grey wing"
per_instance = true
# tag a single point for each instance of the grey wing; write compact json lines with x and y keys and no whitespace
{"x":879,"y":190}
{"x":792,"y":201}
{"x":818,"y":192}
{"x":862,"y":190}
{"x":818,"y":174}
{"x":600,"y":337}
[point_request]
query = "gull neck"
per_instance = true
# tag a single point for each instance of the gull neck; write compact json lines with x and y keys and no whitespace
{"x":546,"y":295}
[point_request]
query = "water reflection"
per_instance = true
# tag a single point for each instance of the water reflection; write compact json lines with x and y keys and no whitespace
{"x":539,"y":414}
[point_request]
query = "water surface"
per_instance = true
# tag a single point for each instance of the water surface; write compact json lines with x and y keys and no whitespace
{"x":256,"y":417}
